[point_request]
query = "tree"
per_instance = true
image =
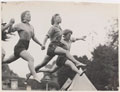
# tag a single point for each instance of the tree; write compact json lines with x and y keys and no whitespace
{"x":113,"y":34}
{"x":102,"y":69}
{"x":114,"y":43}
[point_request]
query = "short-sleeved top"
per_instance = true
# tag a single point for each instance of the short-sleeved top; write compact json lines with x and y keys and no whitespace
{"x":54,"y":33}
{"x":67,"y":45}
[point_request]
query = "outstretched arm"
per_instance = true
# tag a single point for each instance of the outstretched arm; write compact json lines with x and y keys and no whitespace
{"x":3,"y":28}
{"x":15,"y":28}
{"x":77,"y":39}
{"x":9,"y":25}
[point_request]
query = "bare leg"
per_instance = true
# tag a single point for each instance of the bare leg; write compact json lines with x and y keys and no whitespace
{"x":60,"y":50}
{"x":10,"y":59}
{"x":26,"y":56}
{"x":54,"y":68}
{"x":44,"y":62}
{"x":72,"y":66}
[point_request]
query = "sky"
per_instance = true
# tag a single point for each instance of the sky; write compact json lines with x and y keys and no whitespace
{"x":88,"y":19}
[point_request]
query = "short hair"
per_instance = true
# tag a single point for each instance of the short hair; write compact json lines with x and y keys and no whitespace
{"x":23,"y":15}
{"x":66,"y":31}
{"x":53,"y":17}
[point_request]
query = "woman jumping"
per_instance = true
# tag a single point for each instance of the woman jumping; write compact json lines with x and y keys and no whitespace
{"x":62,"y":60}
{"x":26,"y":33}
{"x":55,"y":46}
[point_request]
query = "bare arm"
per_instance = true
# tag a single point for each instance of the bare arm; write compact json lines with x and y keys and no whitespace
{"x":9,"y":25}
{"x":17,"y":27}
{"x":36,"y":40}
{"x":3,"y":28}
{"x":77,"y":39}
{"x":50,"y":32}
{"x":11,"y":29}
{"x":45,"y":40}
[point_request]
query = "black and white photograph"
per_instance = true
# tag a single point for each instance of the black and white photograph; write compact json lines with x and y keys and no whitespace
{"x":59,"y":46}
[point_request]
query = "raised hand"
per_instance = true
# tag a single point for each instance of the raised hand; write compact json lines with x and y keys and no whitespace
{"x":12,"y":21}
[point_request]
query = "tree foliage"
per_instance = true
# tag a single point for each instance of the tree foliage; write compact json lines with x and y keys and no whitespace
{"x":104,"y":67}
{"x":113,"y":34}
